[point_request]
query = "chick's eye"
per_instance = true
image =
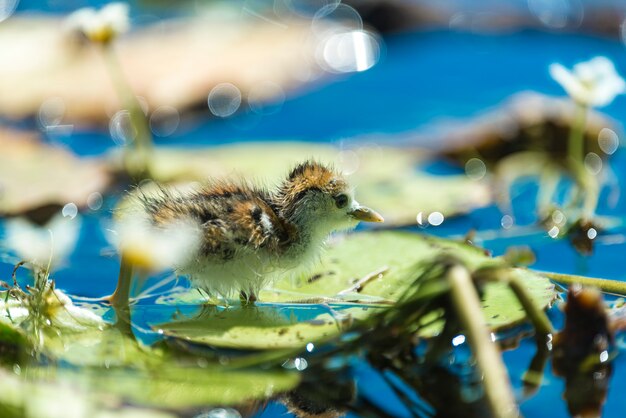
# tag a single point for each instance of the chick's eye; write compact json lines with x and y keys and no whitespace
{"x":341,"y":201}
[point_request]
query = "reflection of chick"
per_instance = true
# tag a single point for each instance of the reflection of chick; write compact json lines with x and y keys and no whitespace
{"x":251,"y":236}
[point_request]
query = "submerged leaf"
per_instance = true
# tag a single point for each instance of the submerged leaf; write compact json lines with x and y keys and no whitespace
{"x":395,"y":258}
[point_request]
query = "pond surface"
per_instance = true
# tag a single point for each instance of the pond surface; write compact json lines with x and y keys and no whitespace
{"x":422,"y":80}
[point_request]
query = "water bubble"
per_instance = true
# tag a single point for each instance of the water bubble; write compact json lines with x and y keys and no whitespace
{"x":506,"y":221}
{"x":592,"y":233}
{"x":94,"y":201}
{"x":342,"y":16}
{"x":435,"y":218}
{"x":353,"y":51}
{"x":420,"y":218}
{"x":608,"y":141}
{"x":475,"y":169}
{"x":558,"y":217}
{"x":554,"y":232}
{"x":266,"y":98}
{"x":164,"y":121}
{"x":51,"y":111}
{"x":7,"y":7}
{"x":593,"y":163}
{"x":300,"y":364}
{"x":348,"y":161}
{"x":224,"y":100}
{"x":70,"y":210}
{"x":604,"y":356}
{"x":121,"y":128}
{"x":458,"y":340}
{"x":220,"y":413}
{"x":310,"y":347}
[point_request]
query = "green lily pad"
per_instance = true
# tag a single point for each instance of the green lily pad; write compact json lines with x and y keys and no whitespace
{"x":386,"y":178}
{"x":168,"y":388}
{"x":385,"y":264}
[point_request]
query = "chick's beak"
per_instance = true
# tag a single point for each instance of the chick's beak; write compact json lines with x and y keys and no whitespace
{"x":365,"y":214}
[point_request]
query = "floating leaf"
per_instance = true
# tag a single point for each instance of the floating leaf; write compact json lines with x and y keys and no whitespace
{"x":172,"y":70}
{"x":382,"y":264}
{"x":94,"y":391}
{"x":386,"y":178}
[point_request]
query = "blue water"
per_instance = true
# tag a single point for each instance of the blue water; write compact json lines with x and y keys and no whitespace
{"x":422,"y":79}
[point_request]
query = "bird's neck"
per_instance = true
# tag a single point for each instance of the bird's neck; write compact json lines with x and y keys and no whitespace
{"x":310,"y":238}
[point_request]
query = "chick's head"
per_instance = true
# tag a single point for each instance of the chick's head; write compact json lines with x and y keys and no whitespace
{"x":319,"y":195}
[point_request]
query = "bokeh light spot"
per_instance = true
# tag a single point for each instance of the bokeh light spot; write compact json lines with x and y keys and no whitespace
{"x":121,"y":128}
{"x":608,"y":141}
{"x":475,"y":169}
{"x":70,"y":210}
{"x":164,"y":121}
{"x":224,"y":100}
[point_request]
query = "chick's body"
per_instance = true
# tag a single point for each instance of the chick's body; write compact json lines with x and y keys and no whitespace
{"x":251,"y":236}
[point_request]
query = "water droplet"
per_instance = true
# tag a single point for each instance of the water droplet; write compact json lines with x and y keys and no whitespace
{"x":220,"y":413}
{"x":224,"y":100}
{"x":475,"y":169}
{"x":604,"y":356}
{"x":310,"y":347}
{"x":121,"y":128}
{"x":266,"y":98}
{"x":350,"y":52}
{"x":435,"y":218}
{"x":554,"y":232}
{"x":608,"y":141}
{"x":458,"y":340}
{"x":70,"y":210}
{"x":17,"y":369}
{"x":592,"y":233}
{"x":94,"y":201}
{"x":164,"y":121}
{"x":300,"y":364}
{"x":593,"y":163}
{"x":420,"y":218}
{"x":506,"y":221}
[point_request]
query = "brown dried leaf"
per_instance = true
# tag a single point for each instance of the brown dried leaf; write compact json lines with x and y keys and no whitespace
{"x":175,"y":63}
{"x":35,"y":175}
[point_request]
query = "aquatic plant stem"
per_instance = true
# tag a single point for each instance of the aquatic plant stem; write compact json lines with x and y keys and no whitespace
{"x":122,"y":292}
{"x":608,"y":286}
{"x":120,"y":298}
{"x":576,"y":145}
{"x":136,"y":163}
{"x":539,"y":319}
{"x":466,"y":302}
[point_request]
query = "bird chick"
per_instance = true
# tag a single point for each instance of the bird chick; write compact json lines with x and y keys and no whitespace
{"x":251,"y":236}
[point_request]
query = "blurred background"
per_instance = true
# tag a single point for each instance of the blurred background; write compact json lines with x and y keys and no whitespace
{"x":400,"y":94}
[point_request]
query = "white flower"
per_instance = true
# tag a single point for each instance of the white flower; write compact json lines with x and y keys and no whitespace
{"x":592,"y":83}
{"x":100,"y":25}
{"x":44,"y":246}
{"x":156,"y":248}
{"x":64,"y":314}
